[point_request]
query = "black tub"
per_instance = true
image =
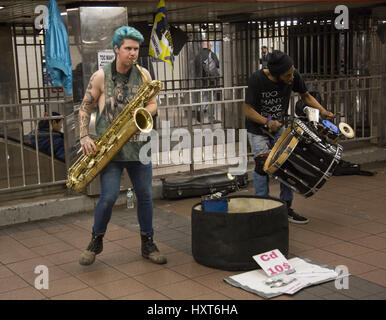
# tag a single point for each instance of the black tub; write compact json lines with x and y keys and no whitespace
{"x":251,"y":226}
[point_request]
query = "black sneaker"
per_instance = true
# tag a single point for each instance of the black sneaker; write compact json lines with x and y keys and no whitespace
{"x":295,"y":218}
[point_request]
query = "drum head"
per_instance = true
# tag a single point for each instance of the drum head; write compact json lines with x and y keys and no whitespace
{"x":279,"y":152}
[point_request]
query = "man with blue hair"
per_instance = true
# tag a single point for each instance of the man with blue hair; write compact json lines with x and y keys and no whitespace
{"x":110,"y":89}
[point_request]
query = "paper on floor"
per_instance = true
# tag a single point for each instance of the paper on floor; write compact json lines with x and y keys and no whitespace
{"x":307,"y":274}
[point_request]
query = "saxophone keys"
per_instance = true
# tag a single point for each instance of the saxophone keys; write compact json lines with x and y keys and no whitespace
{"x":91,"y":164}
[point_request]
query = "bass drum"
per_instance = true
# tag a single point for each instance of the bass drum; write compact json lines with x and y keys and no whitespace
{"x":302,"y":160}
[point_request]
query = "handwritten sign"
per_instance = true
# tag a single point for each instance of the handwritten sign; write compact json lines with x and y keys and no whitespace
{"x":273,"y":262}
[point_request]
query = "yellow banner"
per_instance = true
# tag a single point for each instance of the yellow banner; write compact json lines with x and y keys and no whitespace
{"x":161,"y":44}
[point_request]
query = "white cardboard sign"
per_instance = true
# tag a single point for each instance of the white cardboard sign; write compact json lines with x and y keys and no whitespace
{"x":104,"y":57}
{"x":273,"y":262}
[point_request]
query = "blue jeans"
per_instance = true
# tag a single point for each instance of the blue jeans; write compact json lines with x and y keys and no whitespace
{"x":259,"y":144}
{"x":110,"y":178}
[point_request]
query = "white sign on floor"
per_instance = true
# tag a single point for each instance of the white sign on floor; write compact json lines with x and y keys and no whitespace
{"x":273,"y":263}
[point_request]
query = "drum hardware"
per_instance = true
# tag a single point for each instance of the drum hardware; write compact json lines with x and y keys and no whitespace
{"x":346,"y":130}
{"x":307,"y":130}
{"x":312,"y":114}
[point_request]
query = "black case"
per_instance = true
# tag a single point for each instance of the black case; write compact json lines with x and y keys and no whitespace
{"x":199,"y":186}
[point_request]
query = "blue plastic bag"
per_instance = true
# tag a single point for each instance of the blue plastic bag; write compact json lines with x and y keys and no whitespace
{"x":215,"y":205}
{"x":58,"y":57}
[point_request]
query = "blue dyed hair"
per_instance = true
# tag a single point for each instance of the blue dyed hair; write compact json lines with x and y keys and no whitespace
{"x":126,"y":32}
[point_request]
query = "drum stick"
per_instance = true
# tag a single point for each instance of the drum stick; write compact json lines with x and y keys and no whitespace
{"x":266,"y":132}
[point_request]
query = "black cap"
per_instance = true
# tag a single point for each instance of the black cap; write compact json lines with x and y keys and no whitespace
{"x":279,"y":63}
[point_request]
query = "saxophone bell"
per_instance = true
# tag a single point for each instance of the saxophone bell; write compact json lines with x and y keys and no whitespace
{"x":143,"y":120}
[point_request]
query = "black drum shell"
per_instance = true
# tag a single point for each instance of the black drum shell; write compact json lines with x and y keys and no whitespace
{"x":302,"y":160}
{"x":302,"y":165}
{"x":228,"y":241}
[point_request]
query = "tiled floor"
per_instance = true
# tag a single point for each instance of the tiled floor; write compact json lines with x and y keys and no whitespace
{"x":347,"y":227}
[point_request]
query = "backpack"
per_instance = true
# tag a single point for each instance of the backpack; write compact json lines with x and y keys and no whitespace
{"x":209,"y":66}
{"x":345,"y":168}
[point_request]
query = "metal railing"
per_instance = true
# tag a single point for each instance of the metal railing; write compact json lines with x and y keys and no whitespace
{"x":355,"y":100}
{"x":24,"y":166}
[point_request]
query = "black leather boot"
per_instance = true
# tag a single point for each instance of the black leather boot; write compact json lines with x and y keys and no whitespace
{"x":150,"y":250}
{"x":95,"y":247}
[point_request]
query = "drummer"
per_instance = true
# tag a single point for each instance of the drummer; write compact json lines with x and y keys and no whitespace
{"x":266,"y":102}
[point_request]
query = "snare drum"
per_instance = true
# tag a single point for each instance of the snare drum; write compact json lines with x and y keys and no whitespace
{"x":302,"y":160}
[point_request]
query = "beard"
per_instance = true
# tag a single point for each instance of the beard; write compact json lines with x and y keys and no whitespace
{"x":283,"y":83}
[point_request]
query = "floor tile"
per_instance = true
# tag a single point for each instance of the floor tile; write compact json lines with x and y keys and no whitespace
{"x":83,"y":294}
{"x":119,"y":257}
{"x":12,"y":283}
{"x":149,"y":294}
{"x":138,"y":267}
{"x":373,"y":242}
{"x":57,"y":228}
{"x":337,"y":296}
{"x":320,"y":256}
{"x":62,"y":286}
{"x":27,"y":293}
{"x":347,"y":249}
{"x":120,"y":288}
{"x":5,"y":272}
{"x":192,"y":269}
{"x":23,"y":235}
{"x":210,"y":296}
{"x":64,"y":257}
{"x":354,"y":267}
{"x":303,"y":295}
{"x":160,"y":278}
{"x":375,"y":258}
{"x":16,"y":254}
{"x":98,"y":277}
{"x":51,"y":248}
{"x":296,"y":247}
{"x":365,"y":285}
{"x":29,"y":265}
{"x":119,"y":234}
{"x":215,"y":282}
{"x":377,"y":276}
{"x":129,"y":243}
{"x":177,"y":258}
{"x":371,"y":227}
{"x":184,"y":290}
{"x":307,"y":237}
{"x":39,"y":241}
{"x":74,"y":268}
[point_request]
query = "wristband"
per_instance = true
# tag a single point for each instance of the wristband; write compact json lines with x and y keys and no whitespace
{"x":268,"y":120}
{"x":86,"y":135}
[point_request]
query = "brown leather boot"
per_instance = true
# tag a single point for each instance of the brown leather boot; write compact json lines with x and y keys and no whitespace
{"x":95,"y":247}
{"x":150,"y":250}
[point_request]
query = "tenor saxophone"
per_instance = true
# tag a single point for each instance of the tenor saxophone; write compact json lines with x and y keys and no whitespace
{"x":86,"y":167}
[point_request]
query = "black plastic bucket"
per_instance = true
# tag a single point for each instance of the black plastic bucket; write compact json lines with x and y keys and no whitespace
{"x":251,"y":226}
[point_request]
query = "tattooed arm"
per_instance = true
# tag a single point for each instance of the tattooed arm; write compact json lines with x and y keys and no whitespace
{"x":90,"y":100}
